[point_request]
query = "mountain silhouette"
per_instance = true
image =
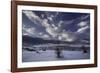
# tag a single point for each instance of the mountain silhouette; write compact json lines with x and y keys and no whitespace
{"x":35,"y":41}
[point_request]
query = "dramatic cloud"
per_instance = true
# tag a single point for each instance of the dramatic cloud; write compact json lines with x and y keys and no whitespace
{"x":45,"y":36}
{"x":82,"y":24}
{"x":50,"y":18}
{"x":84,"y":17}
{"x":42,"y":15}
{"x":83,"y":29}
{"x":52,"y":27}
{"x":67,"y":36}
{"x":60,"y":23}
{"x":33,"y":17}
{"x":30,"y":31}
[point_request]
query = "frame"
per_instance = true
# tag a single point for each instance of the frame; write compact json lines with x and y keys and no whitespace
{"x":55,"y":21}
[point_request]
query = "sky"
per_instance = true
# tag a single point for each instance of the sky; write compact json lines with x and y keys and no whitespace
{"x":65,"y":26}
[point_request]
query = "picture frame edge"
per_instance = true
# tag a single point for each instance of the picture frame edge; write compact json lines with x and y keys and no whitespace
{"x":14,"y":37}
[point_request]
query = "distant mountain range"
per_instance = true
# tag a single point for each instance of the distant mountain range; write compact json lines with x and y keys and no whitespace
{"x":35,"y":41}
